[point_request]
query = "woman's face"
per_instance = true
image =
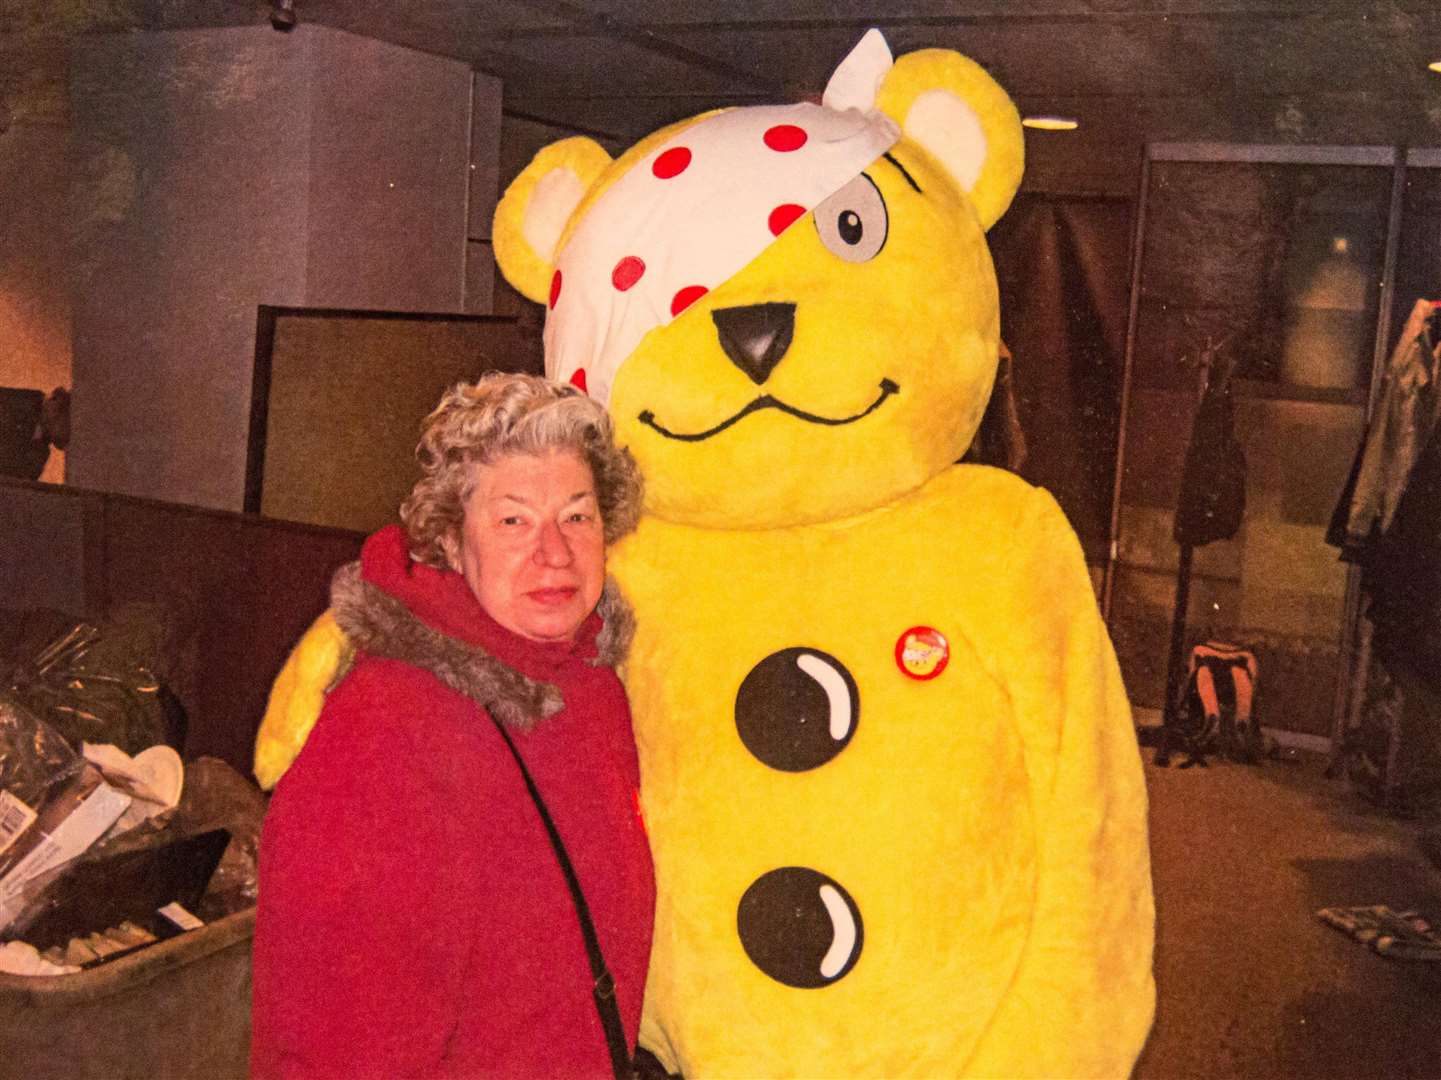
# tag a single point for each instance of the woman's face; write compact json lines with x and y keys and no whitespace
{"x":532,"y":545}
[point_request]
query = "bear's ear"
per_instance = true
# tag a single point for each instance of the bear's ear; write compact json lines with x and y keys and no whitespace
{"x":960,"y":115}
{"x":532,"y":215}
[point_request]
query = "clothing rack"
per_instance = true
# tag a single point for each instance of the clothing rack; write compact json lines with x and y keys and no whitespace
{"x":1355,"y":547}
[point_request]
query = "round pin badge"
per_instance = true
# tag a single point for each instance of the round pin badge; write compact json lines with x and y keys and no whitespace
{"x":922,"y":652}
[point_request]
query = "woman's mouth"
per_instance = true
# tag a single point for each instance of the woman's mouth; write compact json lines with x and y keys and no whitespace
{"x":556,"y":597}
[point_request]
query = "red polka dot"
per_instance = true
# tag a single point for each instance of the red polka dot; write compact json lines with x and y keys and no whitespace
{"x":578,"y":380}
{"x":686,"y":297}
{"x":783,"y":216}
{"x":784,"y":138}
{"x":626,"y":273}
{"x":671,"y":163}
{"x":554,"y":288}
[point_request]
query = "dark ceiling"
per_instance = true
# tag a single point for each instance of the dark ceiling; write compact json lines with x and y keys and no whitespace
{"x":1323,"y":71}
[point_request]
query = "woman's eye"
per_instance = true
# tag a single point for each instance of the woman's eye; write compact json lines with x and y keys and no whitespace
{"x":853,"y":222}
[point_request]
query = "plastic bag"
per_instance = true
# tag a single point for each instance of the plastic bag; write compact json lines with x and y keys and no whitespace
{"x":98,"y":683}
{"x":53,"y":805}
{"x":107,"y":884}
{"x":215,"y":796}
{"x":35,"y":766}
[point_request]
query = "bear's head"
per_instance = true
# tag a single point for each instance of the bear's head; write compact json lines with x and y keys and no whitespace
{"x":790,"y":310}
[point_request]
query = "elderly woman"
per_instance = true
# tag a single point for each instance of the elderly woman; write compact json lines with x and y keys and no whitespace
{"x":415,"y":916}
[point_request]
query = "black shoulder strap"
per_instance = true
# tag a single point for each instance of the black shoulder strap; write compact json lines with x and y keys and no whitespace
{"x":604,"y":989}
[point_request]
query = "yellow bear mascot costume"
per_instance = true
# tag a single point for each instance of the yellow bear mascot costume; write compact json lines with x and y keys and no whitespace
{"x":888,"y":765}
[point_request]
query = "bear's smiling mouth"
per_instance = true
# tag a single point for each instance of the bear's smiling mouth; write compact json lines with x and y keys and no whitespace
{"x":765,"y":401}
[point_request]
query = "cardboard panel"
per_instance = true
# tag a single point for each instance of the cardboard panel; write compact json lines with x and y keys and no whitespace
{"x":345,"y":396}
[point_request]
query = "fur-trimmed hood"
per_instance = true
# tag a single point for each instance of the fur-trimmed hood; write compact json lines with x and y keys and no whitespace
{"x":380,"y":624}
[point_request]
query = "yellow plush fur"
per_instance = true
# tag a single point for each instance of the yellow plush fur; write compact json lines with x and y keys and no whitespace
{"x":923,"y":314}
{"x":989,"y":824}
{"x":296,"y":696}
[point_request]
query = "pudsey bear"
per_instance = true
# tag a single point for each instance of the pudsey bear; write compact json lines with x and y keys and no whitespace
{"x":889,"y":769}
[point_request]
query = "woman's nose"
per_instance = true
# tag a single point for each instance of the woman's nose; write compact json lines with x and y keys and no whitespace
{"x":552,"y":548}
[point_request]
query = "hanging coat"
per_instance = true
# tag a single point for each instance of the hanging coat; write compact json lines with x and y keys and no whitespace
{"x":1402,"y":573}
{"x":1213,"y":480}
{"x":1405,"y":417}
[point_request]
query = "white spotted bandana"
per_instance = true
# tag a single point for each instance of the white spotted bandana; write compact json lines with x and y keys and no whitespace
{"x":699,"y":209}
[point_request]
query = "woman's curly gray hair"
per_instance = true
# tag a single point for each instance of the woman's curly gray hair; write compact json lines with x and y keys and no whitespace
{"x":499,"y":414}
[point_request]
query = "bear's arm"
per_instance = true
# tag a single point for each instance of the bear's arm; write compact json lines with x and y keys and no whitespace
{"x":1083,"y":997}
{"x":316,"y":663}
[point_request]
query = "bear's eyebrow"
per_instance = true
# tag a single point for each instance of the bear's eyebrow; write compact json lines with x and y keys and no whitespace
{"x":916,"y":187}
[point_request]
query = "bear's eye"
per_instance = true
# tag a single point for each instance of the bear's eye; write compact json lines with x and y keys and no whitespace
{"x":852,"y":223}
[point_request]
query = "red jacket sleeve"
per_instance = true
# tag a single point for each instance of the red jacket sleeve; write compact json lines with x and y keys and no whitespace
{"x":358,"y":957}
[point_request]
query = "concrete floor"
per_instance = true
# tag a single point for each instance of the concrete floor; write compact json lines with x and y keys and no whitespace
{"x":1250,"y":983}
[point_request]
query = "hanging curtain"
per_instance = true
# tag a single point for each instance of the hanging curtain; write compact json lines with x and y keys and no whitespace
{"x":1061,"y":263}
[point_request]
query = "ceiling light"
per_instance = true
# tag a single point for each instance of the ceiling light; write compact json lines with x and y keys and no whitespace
{"x":1050,"y":123}
{"x":1435,"y":65}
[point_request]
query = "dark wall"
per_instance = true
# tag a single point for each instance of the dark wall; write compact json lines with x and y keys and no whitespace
{"x":236,"y":591}
{"x":243,"y":167}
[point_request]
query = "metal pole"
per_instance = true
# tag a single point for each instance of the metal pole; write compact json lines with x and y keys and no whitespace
{"x":1355,"y":645}
{"x":1175,"y":663}
{"x":1108,"y":577}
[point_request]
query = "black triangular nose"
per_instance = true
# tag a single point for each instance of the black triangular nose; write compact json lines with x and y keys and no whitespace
{"x":755,"y":337}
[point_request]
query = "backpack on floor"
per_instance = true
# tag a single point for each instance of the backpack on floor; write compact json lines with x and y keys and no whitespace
{"x":1215,"y":714}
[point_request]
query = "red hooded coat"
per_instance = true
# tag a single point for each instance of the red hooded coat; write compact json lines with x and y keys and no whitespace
{"x":413,"y":920}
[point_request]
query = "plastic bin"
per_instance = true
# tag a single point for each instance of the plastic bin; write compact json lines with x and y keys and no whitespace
{"x":173,"y":1010}
{"x":177,"y":1009}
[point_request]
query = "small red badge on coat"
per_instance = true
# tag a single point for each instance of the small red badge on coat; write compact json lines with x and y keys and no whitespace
{"x":922,"y":652}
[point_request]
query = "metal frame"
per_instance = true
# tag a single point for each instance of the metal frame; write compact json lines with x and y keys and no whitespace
{"x":1138,"y":242}
{"x":1399,"y":159}
{"x":1271,"y":153}
{"x":1355,"y":647}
